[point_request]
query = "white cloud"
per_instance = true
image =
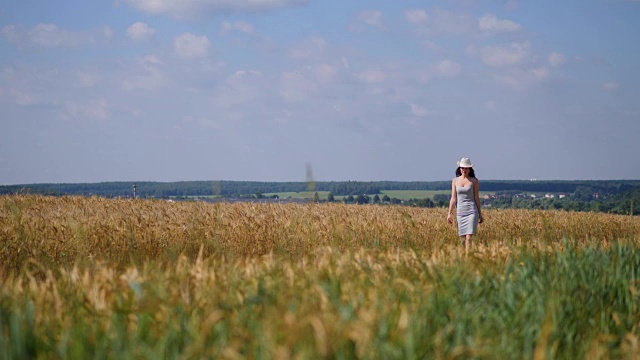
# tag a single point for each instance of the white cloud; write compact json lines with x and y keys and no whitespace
{"x":452,"y":23}
{"x":446,"y":68}
{"x":540,"y":73}
{"x":556,"y":59}
{"x":150,"y":59}
{"x":240,"y":88}
{"x":371,"y":17}
{"x":508,"y":79}
{"x":611,"y":86}
{"x":191,"y":46}
{"x":151,"y":78}
{"x":206,"y":8}
{"x":419,"y":110}
{"x":295,"y":87}
{"x":518,"y":78}
{"x":512,"y":54}
{"x":86,"y":80}
{"x":22,"y":98}
{"x":490,"y":105}
{"x":345,"y":63}
{"x":322,"y":73}
{"x":372,"y":76}
{"x":417,"y":17}
{"x":432,"y":45}
{"x":151,"y":81}
{"x":238,"y":26}
{"x":490,"y":23}
{"x":310,"y":48}
{"x":94,"y":109}
{"x":140,"y":30}
{"x":440,"y":21}
{"x":107,"y":32}
{"x":45,"y":35}
{"x":367,"y":19}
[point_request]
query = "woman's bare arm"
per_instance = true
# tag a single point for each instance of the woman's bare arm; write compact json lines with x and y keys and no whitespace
{"x":453,"y":200}
{"x":476,"y":195}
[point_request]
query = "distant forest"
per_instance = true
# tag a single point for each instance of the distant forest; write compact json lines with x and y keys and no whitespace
{"x":610,"y":196}
{"x":147,"y":189}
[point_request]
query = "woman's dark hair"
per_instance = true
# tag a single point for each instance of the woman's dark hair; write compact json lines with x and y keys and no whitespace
{"x":471,"y":172}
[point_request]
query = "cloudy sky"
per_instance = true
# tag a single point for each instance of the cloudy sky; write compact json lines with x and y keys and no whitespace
{"x":176,"y":90}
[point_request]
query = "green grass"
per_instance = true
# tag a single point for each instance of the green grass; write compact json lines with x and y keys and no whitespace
{"x":300,"y":195}
{"x":565,"y":303}
{"x":398,"y":194}
{"x":123,"y":278}
{"x":413,"y":194}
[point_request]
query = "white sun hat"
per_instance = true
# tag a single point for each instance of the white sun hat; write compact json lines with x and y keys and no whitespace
{"x":465,"y":162}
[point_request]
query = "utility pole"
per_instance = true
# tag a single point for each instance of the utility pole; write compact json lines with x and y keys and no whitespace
{"x":134,"y":190}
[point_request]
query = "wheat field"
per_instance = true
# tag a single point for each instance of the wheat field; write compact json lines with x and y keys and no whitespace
{"x":104,"y":278}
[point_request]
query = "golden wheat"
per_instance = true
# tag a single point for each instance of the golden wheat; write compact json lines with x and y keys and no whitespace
{"x":285,"y":280}
{"x":67,"y":230}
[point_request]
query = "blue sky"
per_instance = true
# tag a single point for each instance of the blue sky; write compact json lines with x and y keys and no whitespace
{"x":174,"y":90}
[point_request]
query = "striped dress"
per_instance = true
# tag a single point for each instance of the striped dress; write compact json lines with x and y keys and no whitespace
{"x":466,"y":210}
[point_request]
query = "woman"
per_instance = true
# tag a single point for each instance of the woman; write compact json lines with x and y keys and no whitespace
{"x":465,"y":190}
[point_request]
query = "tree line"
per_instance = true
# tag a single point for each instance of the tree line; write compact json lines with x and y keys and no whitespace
{"x":338,"y":188}
{"x":583,"y":199}
{"x":612,"y":196}
{"x":191,"y":188}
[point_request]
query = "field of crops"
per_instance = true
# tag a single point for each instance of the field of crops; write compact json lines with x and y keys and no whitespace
{"x":398,"y":194}
{"x":114,"y":278}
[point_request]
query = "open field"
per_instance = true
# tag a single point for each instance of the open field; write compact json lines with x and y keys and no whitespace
{"x":398,"y":194}
{"x":414,"y":194}
{"x":301,"y":195}
{"x":110,"y":278}
{"x":420,"y":194}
